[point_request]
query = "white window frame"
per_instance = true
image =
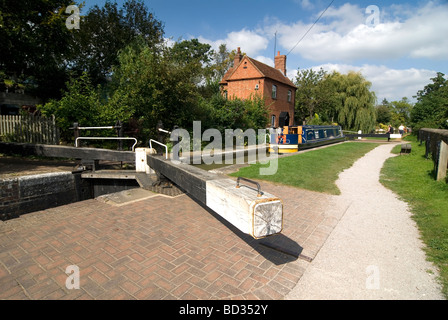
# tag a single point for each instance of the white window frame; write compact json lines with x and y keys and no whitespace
{"x":274,"y":91}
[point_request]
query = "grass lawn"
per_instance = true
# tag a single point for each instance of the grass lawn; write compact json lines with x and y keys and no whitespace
{"x":315,"y":170}
{"x":411,"y":177}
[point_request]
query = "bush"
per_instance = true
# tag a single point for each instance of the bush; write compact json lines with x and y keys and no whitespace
{"x":235,"y":113}
{"x":82,"y":103}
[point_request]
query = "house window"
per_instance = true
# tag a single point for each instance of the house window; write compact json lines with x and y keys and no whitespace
{"x":273,"y":121}
{"x":289,"y":95}
{"x":274,"y":92}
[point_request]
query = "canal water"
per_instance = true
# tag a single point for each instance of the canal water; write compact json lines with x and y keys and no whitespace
{"x":238,"y":157}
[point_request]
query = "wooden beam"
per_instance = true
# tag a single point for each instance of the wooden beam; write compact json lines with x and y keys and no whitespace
{"x":44,"y":150}
{"x":254,"y":214}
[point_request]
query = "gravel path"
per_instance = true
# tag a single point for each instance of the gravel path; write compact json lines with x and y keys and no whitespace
{"x":375,"y":251}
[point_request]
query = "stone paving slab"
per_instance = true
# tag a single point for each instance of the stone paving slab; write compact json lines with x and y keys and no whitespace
{"x":159,"y":247}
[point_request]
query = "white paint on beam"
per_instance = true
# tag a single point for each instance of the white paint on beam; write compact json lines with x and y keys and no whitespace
{"x":259,"y":216}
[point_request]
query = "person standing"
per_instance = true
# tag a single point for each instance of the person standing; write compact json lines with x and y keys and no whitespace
{"x":401,"y":129}
{"x":390,"y":131}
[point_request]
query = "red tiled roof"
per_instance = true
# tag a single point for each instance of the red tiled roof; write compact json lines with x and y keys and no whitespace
{"x":226,"y":76}
{"x":265,"y":70}
{"x":271,"y":73}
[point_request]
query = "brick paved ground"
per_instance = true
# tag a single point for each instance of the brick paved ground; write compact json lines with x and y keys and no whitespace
{"x":158,"y":248}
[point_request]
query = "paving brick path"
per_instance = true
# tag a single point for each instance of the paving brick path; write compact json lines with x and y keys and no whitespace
{"x":159,"y":248}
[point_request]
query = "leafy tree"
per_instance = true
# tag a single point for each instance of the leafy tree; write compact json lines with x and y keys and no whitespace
{"x":35,"y":44}
{"x":431,"y":109}
{"x":328,"y":98}
{"x":155,"y":86}
{"x":221,"y":62}
{"x":82,"y":103}
{"x":107,"y":30}
{"x":401,"y":111}
{"x":191,"y":52}
{"x":193,"y":55}
{"x":235,"y":113}
{"x":384,"y":112}
{"x":309,"y":94}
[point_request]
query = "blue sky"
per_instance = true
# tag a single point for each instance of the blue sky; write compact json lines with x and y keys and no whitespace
{"x":397,"y":45}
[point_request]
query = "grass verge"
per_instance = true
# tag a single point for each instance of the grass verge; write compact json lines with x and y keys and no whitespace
{"x":315,"y":170}
{"x":411,"y":176}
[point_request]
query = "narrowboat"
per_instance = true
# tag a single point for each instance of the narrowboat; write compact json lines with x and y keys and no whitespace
{"x":290,"y":139}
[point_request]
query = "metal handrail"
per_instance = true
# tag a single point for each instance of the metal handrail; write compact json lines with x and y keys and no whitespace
{"x":251,"y":181}
{"x":164,"y":145}
{"x":96,"y":128}
{"x":106,"y":138}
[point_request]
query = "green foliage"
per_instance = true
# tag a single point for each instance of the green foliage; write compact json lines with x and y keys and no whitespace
{"x":35,"y":44}
{"x":104,"y":31}
{"x":355,"y":108}
{"x":316,"y":170}
{"x":384,"y":113}
{"x":234,"y":113}
{"x":149,"y":85}
{"x":163,"y":85}
{"x":223,"y":60}
{"x":81,"y":103}
{"x":401,"y":112}
{"x":310,"y":94}
{"x":395,"y":113}
{"x":431,"y":109}
{"x":156,"y":85}
{"x":316,"y":120}
{"x":40,"y":52}
{"x":117,"y":67}
{"x":411,"y":177}
{"x":345,"y":99}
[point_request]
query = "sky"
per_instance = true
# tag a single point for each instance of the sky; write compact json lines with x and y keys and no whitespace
{"x":396,"y":45}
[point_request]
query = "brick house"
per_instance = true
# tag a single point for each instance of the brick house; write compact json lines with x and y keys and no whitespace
{"x":250,"y":77}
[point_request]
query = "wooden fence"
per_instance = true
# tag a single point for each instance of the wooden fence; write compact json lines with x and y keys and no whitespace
{"x":29,"y":129}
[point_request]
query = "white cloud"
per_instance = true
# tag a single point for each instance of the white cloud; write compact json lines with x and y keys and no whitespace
{"x":343,"y":35}
{"x":305,"y":4}
{"x":392,"y":84}
{"x":169,"y":42}
{"x":265,"y":60}
{"x":250,"y":42}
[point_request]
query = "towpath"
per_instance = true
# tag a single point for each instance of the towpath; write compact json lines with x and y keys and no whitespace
{"x":375,"y":251}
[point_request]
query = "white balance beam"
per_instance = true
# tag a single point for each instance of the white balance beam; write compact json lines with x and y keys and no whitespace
{"x":252,"y":211}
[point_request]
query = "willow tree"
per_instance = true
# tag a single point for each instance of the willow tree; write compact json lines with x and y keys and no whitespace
{"x":354,"y":103}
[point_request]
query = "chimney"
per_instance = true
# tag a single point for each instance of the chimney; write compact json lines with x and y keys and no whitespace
{"x":238,"y":57}
{"x":280,"y":63}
